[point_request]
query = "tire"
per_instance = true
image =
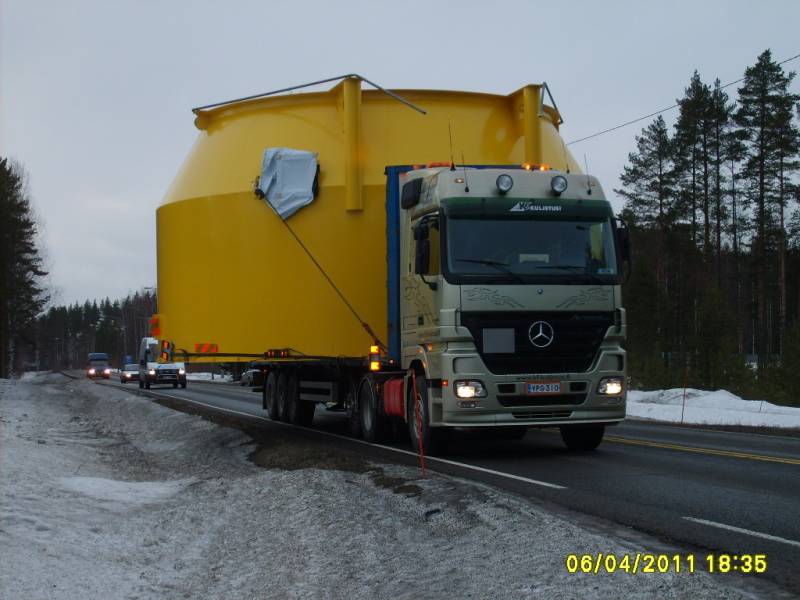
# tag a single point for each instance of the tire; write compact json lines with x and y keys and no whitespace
{"x":175,"y":385}
{"x":280,"y":393}
{"x":373,"y":424}
{"x":351,"y":408}
{"x":434,"y":439}
{"x":183,"y":385}
{"x":582,"y":438}
{"x":269,"y":400}
{"x":298,"y":412}
{"x":147,"y":384}
{"x":141,"y":384}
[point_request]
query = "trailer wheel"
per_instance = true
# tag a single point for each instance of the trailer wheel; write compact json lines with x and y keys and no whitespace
{"x":351,"y":406}
{"x":298,"y":412}
{"x":283,"y":383}
{"x":582,"y":438}
{"x":434,"y":439}
{"x":269,"y":399}
{"x":373,"y":424}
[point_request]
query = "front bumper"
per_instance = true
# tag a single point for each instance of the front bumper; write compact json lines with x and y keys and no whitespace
{"x":507,"y":403}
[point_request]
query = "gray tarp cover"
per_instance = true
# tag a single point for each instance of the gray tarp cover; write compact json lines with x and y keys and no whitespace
{"x":287,"y":178}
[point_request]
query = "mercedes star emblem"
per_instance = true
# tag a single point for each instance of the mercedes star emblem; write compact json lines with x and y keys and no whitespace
{"x":541,"y":334}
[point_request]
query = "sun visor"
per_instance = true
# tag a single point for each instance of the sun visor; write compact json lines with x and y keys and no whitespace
{"x":287,"y":179}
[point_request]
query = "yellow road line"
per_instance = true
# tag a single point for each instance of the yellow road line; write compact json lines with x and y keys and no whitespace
{"x":744,"y":455}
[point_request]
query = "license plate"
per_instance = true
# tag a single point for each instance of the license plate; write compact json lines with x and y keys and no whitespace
{"x":536,"y":388}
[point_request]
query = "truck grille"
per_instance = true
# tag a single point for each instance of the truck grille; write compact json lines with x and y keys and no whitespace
{"x":576,"y":339}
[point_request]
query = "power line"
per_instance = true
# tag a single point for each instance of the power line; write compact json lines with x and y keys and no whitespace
{"x":658,"y":112}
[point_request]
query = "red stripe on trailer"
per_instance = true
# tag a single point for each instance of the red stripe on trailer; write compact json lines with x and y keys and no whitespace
{"x":393,"y":404}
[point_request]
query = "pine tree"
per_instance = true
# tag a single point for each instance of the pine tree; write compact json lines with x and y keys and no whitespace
{"x":765,"y":119}
{"x":22,"y":294}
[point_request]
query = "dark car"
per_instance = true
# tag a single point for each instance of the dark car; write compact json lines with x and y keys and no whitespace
{"x":253,"y":378}
{"x":98,"y":366}
{"x":129,"y":373}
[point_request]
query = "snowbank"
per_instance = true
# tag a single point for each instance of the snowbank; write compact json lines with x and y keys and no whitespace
{"x":207,"y":377}
{"x":710,"y":408}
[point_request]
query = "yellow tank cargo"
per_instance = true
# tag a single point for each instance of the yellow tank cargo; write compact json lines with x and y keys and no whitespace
{"x":230,"y":275}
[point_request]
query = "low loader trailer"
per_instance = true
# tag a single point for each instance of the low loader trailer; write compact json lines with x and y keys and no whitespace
{"x":414,"y":294}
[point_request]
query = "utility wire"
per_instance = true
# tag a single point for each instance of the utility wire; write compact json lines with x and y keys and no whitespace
{"x":658,"y":112}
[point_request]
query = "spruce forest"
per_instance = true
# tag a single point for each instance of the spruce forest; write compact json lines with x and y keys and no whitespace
{"x":713,"y":299}
{"x":713,"y":296}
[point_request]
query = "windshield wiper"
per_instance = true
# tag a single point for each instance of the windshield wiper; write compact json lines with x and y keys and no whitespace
{"x":501,"y":266}
{"x":576,"y":269}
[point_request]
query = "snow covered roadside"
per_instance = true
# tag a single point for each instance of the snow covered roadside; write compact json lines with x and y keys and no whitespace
{"x":204,"y":376}
{"x":710,"y":408}
{"x":104,"y":494}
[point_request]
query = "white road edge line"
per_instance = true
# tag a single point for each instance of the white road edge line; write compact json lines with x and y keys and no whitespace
{"x":398,"y":450}
{"x":765,"y":536}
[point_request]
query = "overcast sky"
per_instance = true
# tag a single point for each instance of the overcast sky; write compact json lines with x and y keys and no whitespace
{"x":95,"y":96}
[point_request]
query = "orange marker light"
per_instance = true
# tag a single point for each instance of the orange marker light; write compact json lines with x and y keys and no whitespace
{"x":374,"y":349}
{"x":544,"y":167}
{"x":375,"y":365}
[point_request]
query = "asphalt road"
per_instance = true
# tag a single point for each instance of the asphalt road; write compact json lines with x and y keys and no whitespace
{"x":706,"y":492}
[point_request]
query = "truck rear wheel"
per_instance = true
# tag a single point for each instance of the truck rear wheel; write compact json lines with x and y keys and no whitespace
{"x":298,"y":412}
{"x":434,"y":439}
{"x":351,"y":406}
{"x":582,"y":437}
{"x":269,"y":399}
{"x":373,"y":424}
{"x":280,"y":393}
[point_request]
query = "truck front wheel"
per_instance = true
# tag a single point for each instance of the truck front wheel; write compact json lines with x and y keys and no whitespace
{"x":147,"y":384}
{"x":582,"y":437}
{"x":434,"y":439}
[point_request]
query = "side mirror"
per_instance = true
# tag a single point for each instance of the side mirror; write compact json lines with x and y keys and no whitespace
{"x":422,"y":258}
{"x":411,"y":193}
{"x":624,"y":241}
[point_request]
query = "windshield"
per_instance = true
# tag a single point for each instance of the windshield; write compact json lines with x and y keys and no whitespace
{"x":519,"y":248}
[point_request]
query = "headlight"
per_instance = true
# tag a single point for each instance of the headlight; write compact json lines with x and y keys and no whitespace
{"x":181,"y":371}
{"x":558,"y":184}
{"x":504,"y":183}
{"x":151,"y":372}
{"x":128,"y":375}
{"x":107,"y":371}
{"x":91,"y":371}
{"x":470,"y":389}
{"x":610,"y":386}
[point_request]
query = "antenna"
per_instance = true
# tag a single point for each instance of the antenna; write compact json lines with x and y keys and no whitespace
{"x":464,"y":166}
{"x":588,"y":181}
{"x":450,"y":131}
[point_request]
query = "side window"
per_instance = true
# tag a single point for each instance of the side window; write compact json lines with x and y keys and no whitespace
{"x":435,"y":265}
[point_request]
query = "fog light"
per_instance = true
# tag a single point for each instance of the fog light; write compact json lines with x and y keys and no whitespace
{"x":470,"y":389}
{"x":610,"y":386}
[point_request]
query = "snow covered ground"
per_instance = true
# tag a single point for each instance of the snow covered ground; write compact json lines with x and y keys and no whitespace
{"x":207,"y":377}
{"x":713,"y":408}
{"x":105,"y":494}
